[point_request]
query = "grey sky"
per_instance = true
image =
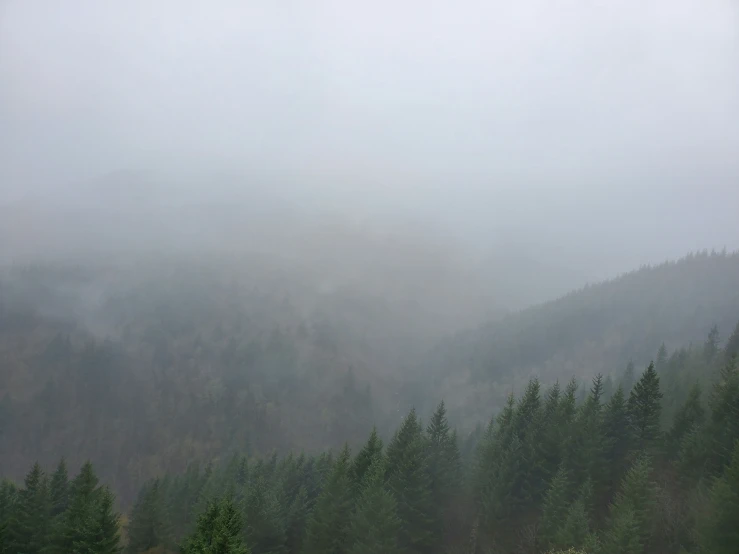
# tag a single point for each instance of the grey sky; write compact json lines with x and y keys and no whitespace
{"x":458,"y":111}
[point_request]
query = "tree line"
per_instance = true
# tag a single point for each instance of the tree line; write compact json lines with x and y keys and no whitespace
{"x":600,"y":470}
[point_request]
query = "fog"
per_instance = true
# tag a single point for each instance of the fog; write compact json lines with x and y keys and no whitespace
{"x":543,"y":144}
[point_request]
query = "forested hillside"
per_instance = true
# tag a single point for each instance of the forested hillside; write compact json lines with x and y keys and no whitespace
{"x":550,"y":473}
{"x":143,"y":369}
{"x":597,"y":329}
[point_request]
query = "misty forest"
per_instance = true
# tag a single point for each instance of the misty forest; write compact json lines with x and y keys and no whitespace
{"x":325,"y":277}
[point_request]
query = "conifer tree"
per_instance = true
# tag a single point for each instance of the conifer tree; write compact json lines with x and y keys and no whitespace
{"x":8,"y":494}
{"x":59,"y":489}
{"x":631,"y":509}
{"x":724,"y":425}
{"x":374,"y":526}
{"x":661,"y":357}
{"x":690,"y":415}
{"x":218,"y":531}
{"x":297,"y":518}
{"x":328,"y":525}
{"x":718,"y":528}
{"x":149,"y":524}
{"x":732,"y":345}
{"x":443,"y":461}
{"x":365,"y":458}
{"x":89,"y":522}
{"x":409,"y":481}
{"x":265,"y":529}
{"x":554,"y":509}
{"x":645,"y":408}
{"x":28,"y":528}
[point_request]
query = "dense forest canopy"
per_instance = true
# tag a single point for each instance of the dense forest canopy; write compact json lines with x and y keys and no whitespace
{"x":145,"y":369}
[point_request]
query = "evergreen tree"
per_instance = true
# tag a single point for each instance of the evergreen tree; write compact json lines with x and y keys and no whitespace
{"x":554,"y":509}
{"x":632,"y":508}
{"x":710,"y":347}
{"x":409,"y":481}
{"x":724,"y":425}
{"x":59,"y":489}
{"x":375,"y":526}
{"x":28,"y":528}
{"x":719,"y":527}
{"x":8,"y":495}
{"x":265,"y":529}
{"x":329,"y":522}
{"x":732,"y":345}
{"x":689,"y":416}
{"x":443,"y":461}
{"x":364,"y":460}
{"x":89,"y":524}
{"x":297,"y":519}
{"x":617,"y":441}
{"x":218,"y":531}
{"x":575,"y":530}
{"x":149,"y":524}
{"x":645,"y":408}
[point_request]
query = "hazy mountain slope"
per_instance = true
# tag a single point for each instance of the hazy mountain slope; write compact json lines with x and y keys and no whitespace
{"x":595,"y":329}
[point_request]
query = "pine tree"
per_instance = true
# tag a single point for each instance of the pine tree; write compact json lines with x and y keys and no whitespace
{"x":328,"y":525}
{"x":554,"y":509}
{"x":632,"y":508}
{"x":297,"y":518}
{"x":218,"y":531}
{"x":690,"y":415}
{"x":8,"y":495}
{"x":710,"y":347}
{"x":718,"y":528}
{"x":149,"y":525}
{"x":410,"y":483}
{"x":374,"y":526}
{"x":365,"y":458}
{"x":645,"y":408}
{"x":622,"y":535}
{"x":575,"y":530}
{"x":617,"y":439}
{"x":28,"y":528}
{"x":59,"y":489}
{"x":724,"y":425}
{"x":443,"y":460}
{"x":732,"y":345}
{"x":265,"y":529}
{"x":88,"y":525}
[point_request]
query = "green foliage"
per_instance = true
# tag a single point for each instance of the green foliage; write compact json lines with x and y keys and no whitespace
{"x":374,"y":526}
{"x":149,"y":524}
{"x":59,"y":489}
{"x":329,"y":523}
{"x":718,"y":527}
{"x":365,"y":458}
{"x":554,"y":510}
{"x":218,"y":531}
{"x":409,"y":480}
{"x":29,"y":524}
{"x":645,"y":409}
{"x":265,"y":521}
{"x":691,"y":415}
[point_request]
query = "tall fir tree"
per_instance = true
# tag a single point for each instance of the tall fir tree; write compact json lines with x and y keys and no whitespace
{"x":444,"y":468}
{"x":365,"y":458}
{"x":217,"y":531}
{"x":632,"y":507}
{"x":645,"y":409}
{"x":690,"y":415}
{"x":374,"y":525}
{"x":718,"y":527}
{"x":329,"y":523}
{"x":149,"y":524}
{"x":410,"y":482}
{"x":554,"y":509}
{"x":266,"y":524}
{"x":29,"y":526}
{"x":59,"y":489}
{"x":8,"y":496}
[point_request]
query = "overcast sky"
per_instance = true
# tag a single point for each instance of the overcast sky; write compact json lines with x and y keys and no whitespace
{"x":576,"y":113}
